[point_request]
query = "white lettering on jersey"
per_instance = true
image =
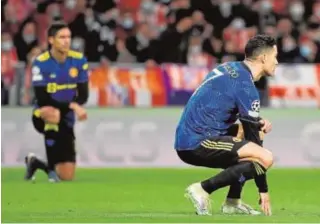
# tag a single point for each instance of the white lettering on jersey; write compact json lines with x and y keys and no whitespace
{"x":217,"y":74}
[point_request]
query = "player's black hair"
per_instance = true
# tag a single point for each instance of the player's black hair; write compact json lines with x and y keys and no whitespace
{"x":55,"y":27}
{"x":257,"y":44}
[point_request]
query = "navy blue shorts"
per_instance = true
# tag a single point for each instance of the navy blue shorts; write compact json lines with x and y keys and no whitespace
{"x":216,"y":152}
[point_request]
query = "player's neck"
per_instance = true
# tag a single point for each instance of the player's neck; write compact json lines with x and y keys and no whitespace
{"x":59,"y":56}
{"x":255,"y":69}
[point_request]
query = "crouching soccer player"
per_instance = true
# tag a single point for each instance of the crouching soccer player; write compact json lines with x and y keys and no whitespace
{"x":60,"y":82}
{"x":227,"y":94}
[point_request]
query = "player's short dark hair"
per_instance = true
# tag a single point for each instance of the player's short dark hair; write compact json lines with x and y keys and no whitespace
{"x":55,"y":27}
{"x":257,"y":44}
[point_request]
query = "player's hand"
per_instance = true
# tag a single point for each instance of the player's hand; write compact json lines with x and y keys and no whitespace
{"x":265,"y":203}
{"x":266,"y":125}
{"x":80,"y":111}
{"x":50,"y":114}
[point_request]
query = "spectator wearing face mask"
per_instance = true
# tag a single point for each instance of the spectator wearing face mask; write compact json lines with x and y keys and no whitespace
{"x":8,"y":62}
{"x":125,"y":24}
{"x":26,"y":39}
{"x":309,"y":52}
{"x":78,"y":44}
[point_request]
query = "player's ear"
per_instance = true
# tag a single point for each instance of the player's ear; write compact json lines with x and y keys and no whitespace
{"x":263,"y":58}
{"x":50,"y":39}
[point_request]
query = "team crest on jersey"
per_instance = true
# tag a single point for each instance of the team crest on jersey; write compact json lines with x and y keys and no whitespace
{"x":73,"y":72}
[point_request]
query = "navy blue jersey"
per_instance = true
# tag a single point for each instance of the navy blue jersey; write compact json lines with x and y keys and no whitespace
{"x":227,"y":92}
{"x":60,"y":79}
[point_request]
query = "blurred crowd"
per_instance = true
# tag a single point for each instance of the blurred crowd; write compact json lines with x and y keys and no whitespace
{"x":194,"y":32}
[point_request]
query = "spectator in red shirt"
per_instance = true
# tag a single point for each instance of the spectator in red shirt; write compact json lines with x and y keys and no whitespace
{"x":8,"y":62}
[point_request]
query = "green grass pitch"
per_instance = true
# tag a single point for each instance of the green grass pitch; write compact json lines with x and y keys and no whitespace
{"x":149,"y":195}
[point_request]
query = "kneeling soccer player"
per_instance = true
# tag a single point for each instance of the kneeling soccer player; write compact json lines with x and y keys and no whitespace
{"x":227,"y":94}
{"x":60,"y":82}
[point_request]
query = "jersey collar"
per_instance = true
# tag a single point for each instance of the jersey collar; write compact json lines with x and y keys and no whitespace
{"x":248,"y":69}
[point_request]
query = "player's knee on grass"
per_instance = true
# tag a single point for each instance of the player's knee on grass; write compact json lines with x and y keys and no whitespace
{"x":50,"y":114}
{"x":255,"y":153}
{"x":66,"y":171}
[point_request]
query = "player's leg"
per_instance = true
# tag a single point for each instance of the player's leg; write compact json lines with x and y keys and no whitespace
{"x":32,"y":162}
{"x":233,"y":203}
{"x":243,"y":170}
{"x":214,"y":153}
{"x":67,"y":164}
{"x":234,"y":194}
{"x":51,"y":139}
{"x":64,"y":156}
{"x":220,"y":152}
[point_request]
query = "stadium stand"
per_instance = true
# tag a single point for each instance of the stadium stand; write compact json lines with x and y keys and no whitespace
{"x":197,"y":33}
